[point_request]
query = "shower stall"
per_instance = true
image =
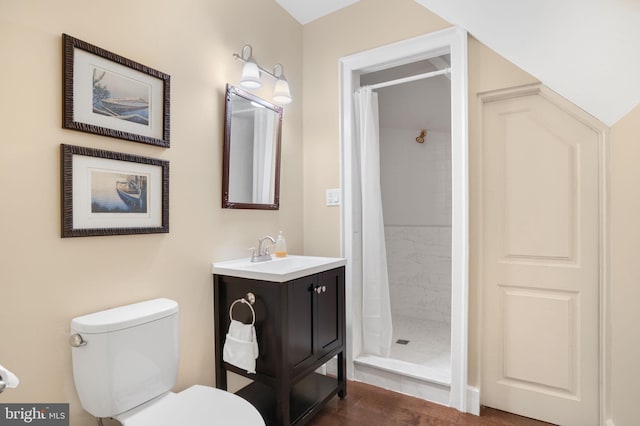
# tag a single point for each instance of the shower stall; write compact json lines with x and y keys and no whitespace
{"x":414,"y":110}
{"x":424,"y":197}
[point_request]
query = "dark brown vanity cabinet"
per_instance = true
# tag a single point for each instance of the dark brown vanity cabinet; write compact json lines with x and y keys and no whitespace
{"x":300,"y":325}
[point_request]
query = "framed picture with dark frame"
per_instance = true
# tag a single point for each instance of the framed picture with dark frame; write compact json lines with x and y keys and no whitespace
{"x":109,"y":95}
{"x":111,"y":193}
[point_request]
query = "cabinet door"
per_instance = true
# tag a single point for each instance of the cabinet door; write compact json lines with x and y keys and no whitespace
{"x":329,"y":299}
{"x":301,"y":313}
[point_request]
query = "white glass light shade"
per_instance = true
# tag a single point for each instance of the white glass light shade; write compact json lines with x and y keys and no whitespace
{"x":250,"y":76}
{"x":281,"y":92}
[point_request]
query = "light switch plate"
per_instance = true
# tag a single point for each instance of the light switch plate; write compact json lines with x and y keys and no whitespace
{"x":333,"y":197}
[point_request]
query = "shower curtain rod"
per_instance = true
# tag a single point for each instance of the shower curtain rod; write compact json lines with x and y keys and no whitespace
{"x":408,"y":79}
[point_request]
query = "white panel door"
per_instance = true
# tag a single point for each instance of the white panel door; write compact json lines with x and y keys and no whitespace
{"x":540,"y":249}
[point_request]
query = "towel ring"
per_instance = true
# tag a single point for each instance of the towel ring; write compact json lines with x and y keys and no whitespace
{"x":251,"y":300}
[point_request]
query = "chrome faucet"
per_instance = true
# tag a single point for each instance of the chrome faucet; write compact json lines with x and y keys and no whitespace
{"x":262,"y":252}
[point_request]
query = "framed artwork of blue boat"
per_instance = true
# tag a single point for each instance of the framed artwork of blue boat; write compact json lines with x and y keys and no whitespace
{"x":111,"y":193}
{"x":110,"y":95}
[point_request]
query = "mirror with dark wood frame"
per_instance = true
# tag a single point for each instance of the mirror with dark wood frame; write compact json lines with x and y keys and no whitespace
{"x":251,"y":160}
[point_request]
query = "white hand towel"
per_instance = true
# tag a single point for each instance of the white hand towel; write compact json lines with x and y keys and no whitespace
{"x":10,"y":379}
{"x":241,"y":346}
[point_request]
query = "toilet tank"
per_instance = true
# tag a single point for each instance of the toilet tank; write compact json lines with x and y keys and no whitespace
{"x":130,"y":356}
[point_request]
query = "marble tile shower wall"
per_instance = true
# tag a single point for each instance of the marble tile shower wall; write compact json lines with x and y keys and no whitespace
{"x":419,"y":264}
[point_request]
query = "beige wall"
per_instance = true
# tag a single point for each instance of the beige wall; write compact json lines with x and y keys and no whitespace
{"x":45,"y":281}
{"x":625,"y":268}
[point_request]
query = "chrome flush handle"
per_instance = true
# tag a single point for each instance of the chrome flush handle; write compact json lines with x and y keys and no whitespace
{"x":77,"y":341}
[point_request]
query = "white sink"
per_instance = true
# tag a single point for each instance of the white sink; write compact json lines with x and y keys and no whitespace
{"x":279,"y":269}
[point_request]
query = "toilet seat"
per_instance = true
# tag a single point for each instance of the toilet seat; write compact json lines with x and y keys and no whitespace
{"x":196,"y":406}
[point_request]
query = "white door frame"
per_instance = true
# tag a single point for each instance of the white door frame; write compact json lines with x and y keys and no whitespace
{"x":453,"y":41}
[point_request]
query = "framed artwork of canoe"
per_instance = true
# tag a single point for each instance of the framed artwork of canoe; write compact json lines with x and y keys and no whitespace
{"x":111,"y":193}
{"x":109,"y":95}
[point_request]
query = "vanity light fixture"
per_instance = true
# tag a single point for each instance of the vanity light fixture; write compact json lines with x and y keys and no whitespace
{"x":250,"y":72}
{"x":251,"y":76}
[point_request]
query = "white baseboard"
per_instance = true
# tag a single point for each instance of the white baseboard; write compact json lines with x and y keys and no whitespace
{"x":473,"y":401}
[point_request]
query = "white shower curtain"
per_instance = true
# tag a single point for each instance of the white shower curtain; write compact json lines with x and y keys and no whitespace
{"x":376,"y":308}
{"x":263,"y":146}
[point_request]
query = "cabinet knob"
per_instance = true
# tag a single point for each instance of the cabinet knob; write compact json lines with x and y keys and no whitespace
{"x":320,"y":289}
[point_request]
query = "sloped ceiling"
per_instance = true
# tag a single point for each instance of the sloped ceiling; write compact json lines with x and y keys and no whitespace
{"x":586,"y":50}
{"x":305,"y":11}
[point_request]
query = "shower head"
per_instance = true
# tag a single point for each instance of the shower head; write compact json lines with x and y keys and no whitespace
{"x":420,"y":139}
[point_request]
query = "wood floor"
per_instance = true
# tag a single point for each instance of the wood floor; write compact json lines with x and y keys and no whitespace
{"x":371,"y":406}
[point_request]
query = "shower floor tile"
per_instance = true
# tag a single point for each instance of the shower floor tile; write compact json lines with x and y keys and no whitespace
{"x":429,"y":343}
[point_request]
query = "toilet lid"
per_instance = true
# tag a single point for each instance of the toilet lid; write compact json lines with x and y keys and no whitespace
{"x":197,"y":406}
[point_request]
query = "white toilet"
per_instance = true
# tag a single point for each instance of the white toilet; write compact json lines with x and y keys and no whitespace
{"x":125,"y":363}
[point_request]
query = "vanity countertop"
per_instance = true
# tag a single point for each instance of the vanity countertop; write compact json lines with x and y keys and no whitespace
{"x":279,"y":269}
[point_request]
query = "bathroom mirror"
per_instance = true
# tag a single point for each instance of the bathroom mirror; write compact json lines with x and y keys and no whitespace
{"x":251,"y":165}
